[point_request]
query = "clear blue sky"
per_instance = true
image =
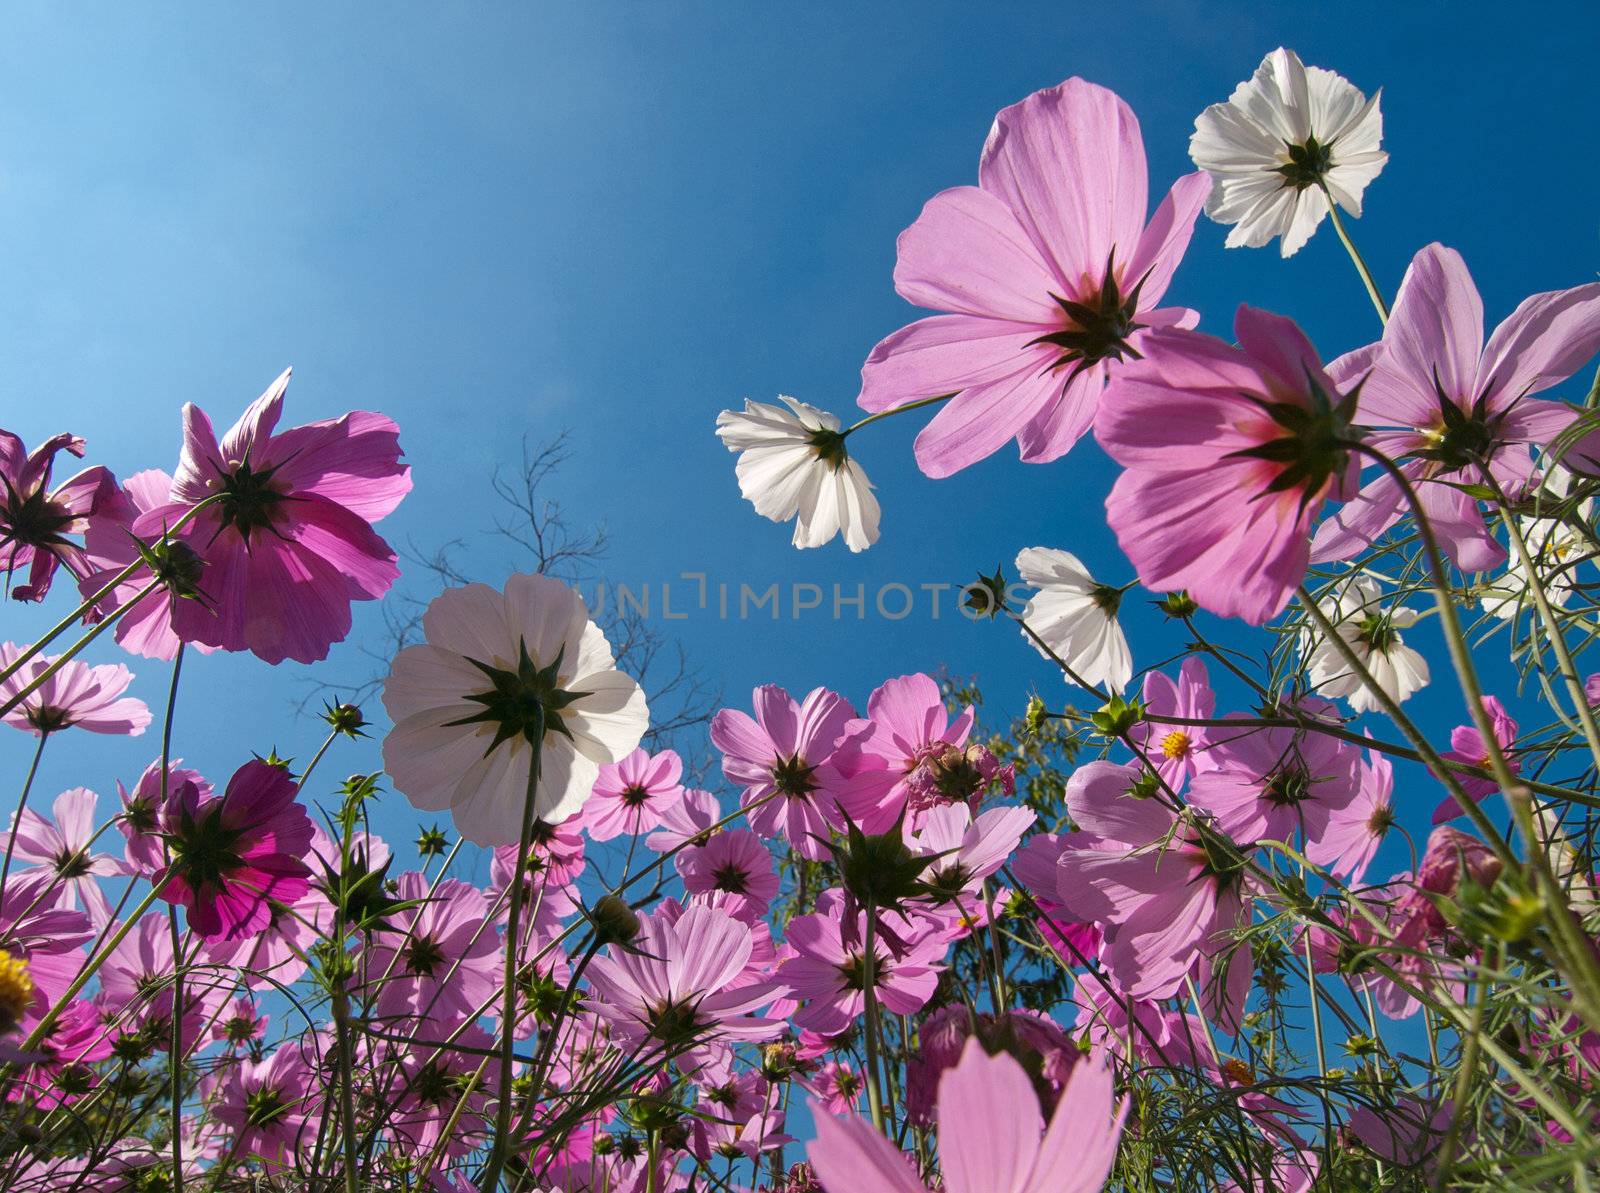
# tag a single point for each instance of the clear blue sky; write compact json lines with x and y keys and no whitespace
{"x":495,"y":221}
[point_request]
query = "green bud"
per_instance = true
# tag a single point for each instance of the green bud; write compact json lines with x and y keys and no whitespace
{"x":986,"y":596}
{"x":432,"y":842}
{"x":1117,"y":716}
{"x":1178,"y":604}
{"x":345,"y":719}
{"x":1036,"y":716}
{"x":614,"y":921}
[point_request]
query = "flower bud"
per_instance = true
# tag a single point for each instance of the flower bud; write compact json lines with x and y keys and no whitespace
{"x":614,"y":921}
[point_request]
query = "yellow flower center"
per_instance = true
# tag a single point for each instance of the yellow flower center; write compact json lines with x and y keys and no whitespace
{"x":16,"y":990}
{"x":1176,"y":744}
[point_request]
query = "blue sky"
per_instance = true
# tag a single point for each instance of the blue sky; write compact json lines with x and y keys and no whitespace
{"x":499,"y":221}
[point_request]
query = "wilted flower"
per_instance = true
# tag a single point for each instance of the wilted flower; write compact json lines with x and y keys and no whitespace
{"x":1289,"y":140}
{"x":793,"y":464}
{"x":1051,"y":275}
{"x":1075,"y":618}
{"x":498,"y":672}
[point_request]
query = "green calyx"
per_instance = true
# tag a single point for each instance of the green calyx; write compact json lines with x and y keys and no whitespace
{"x":525,"y":702}
{"x":1308,"y":164}
{"x":1097,"y":328}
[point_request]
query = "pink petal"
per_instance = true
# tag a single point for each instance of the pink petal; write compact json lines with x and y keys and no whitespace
{"x":967,"y":254}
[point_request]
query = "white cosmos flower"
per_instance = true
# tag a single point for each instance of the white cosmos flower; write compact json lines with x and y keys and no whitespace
{"x":1557,"y":549}
{"x":1283,"y":135}
{"x":793,"y":464}
{"x":1075,"y":616}
{"x":464,"y":706}
{"x":1373,"y":634}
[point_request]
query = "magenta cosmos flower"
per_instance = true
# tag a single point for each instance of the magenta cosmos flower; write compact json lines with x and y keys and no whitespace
{"x":828,"y":966}
{"x":498,"y":672}
{"x":445,"y":963}
{"x":89,"y":697}
{"x":1229,"y":454}
{"x":35,"y":519}
{"x":736,"y":863}
{"x":1456,"y":405}
{"x":288,"y":542}
{"x":233,"y":856}
{"x":679,"y":982}
{"x":989,"y":1135}
{"x":1050,"y":274}
{"x":142,"y":808}
{"x":61,"y":846}
{"x":267,"y":1104}
{"x":787,"y":761}
{"x":1177,"y":752}
{"x":633,"y":794}
{"x":1467,"y":745}
{"x":909,"y":734}
{"x":1148,"y":879}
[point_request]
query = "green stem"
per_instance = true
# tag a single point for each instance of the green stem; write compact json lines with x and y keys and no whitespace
{"x":872,"y":418}
{"x":508,"y":1015}
{"x":1355,"y":256}
{"x":1463,"y":1083}
{"x":176,"y":1051}
{"x":869,"y":977}
{"x":76,"y":649}
{"x":22,"y":804}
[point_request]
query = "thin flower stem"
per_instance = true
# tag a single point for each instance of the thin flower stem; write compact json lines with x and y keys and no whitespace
{"x":317,"y":757}
{"x":508,"y":1015}
{"x":1464,"y":1074}
{"x":1355,"y":256}
{"x":176,"y":1052}
{"x":869,"y":958}
{"x":77,"y":648}
{"x":22,"y":805}
{"x":872,"y":418}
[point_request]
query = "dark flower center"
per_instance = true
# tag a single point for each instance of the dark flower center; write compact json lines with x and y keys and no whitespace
{"x":675,"y":1023}
{"x":1308,"y":164}
{"x":731,"y":878}
{"x":526,"y":702}
{"x":34,"y":520}
{"x":423,"y":956}
{"x":241,"y":1029}
{"x":793,"y":776}
{"x":1286,"y":788}
{"x":1376,"y":631}
{"x":1315,"y":445}
{"x":203,"y":852}
{"x":634,"y":795}
{"x":47,"y":719}
{"x":1097,"y":326}
{"x":73,"y":864}
{"x":828,"y":446}
{"x":854,"y":972}
{"x":265,"y":1106}
{"x":248,"y":499}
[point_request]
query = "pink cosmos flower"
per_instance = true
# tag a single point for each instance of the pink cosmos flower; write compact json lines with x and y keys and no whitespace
{"x":1051,"y":277}
{"x":786,"y":759}
{"x":1035,"y":869}
{"x":289,"y":544}
{"x":267,"y":1104}
{"x":836,"y":1086}
{"x":1467,"y":745}
{"x":243,"y":1023}
{"x":828,"y":968}
{"x":965,"y":851}
{"x":1278,"y":784}
{"x":632,"y":794}
{"x":89,"y":697}
{"x":440,"y":961}
{"x":908,"y":732}
{"x":1177,"y":752}
{"x":48,"y":937}
{"x":73,"y":1042}
{"x":676,"y":982}
{"x":1142,"y":1030}
{"x":989,"y":1136}
{"x":234,"y":855}
{"x":687,"y":820}
{"x":1229,"y":454}
{"x":62,"y":847}
{"x":1030,"y":1037}
{"x":143,"y":809}
{"x":434,"y":1077}
{"x":275,"y":955}
{"x":550,"y":872}
{"x":1148,"y":879}
{"x":1353,"y":833}
{"x":1409,"y":1133}
{"x":136,"y":987}
{"x":735,"y":862}
{"x":1457,"y":405}
{"x":35,"y":519}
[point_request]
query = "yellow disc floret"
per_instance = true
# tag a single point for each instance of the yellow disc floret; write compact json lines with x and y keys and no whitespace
{"x":16,"y":990}
{"x":1176,"y":744}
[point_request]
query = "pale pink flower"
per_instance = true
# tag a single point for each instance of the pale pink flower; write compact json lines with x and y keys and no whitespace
{"x":1456,"y":405}
{"x":47,"y":937}
{"x":35,"y":519}
{"x":1409,"y":1133}
{"x":1051,"y":277}
{"x":62,"y":847}
{"x":989,"y":1136}
{"x":434,"y":1076}
{"x":1467,"y":745}
{"x":267,"y":1104}
{"x":1354,"y":832}
{"x":736,"y":863}
{"x":1142,"y":1030}
{"x":441,"y":960}
{"x":1031,"y":1037}
{"x":909,"y":729}
{"x":551,"y":869}
{"x":687,"y":820}
{"x":1148,"y":879}
{"x":966,"y":850}
{"x":81,"y":695}
{"x":241,"y":1024}
{"x":676,"y":982}
{"x":1229,"y":454}
{"x":136,"y":986}
{"x":828,"y":968}
{"x":1177,"y":752}
{"x":837,"y":1087}
{"x":289,"y":544}
{"x":499,"y":671}
{"x":632,"y":794}
{"x":1278,"y":784}
{"x":787,"y":760}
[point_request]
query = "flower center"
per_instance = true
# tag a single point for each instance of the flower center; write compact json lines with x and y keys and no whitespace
{"x":1308,"y":164}
{"x":525,"y":702}
{"x":793,"y":776}
{"x":16,"y":990}
{"x":423,"y":956}
{"x":71,"y":864}
{"x":1286,"y":788}
{"x":47,"y":719}
{"x":634,"y":795}
{"x":265,"y":1106}
{"x":1097,"y":326}
{"x":1176,"y":745}
{"x":828,"y":446}
{"x":32,"y":521}
{"x":731,"y":878}
{"x":854,"y":972}
{"x":1313,"y":447}
{"x":1377,"y":633}
{"x":674,"y":1022}
{"x":248,"y":499}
